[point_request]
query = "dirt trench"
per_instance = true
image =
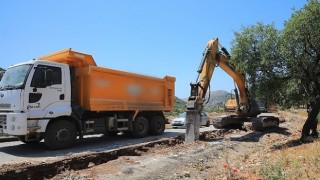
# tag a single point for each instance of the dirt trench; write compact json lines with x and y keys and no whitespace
{"x":47,"y":170}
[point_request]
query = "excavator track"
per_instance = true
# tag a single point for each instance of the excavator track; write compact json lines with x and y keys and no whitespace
{"x":259,"y":123}
{"x":228,"y":121}
{"x":264,"y":122}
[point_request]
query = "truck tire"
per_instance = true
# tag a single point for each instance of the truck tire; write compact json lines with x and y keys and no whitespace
{"x":208,"y":124}
{"x":140,"y":127}
{"x":35,"y":141}
{"x":60,"y":134}
{"x":157,"y":125}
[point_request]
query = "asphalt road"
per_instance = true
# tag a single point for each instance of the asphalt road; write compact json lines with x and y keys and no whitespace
{"x":18,"y":152}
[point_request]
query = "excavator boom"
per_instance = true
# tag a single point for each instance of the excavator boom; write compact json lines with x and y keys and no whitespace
{"x":217,"y":56}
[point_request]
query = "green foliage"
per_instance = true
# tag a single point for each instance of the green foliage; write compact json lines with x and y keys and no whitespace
{"x":281,"y":66}
{"x":1,"y":72}
{"x":179,"y":107}
{"x":301,"y":49}
{"x":255,"y":51}
{"x":274,"y":171}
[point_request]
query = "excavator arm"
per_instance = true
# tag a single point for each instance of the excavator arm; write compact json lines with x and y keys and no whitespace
{"x":215,"y":55}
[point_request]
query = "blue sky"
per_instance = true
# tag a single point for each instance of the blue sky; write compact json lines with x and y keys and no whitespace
{"x":155,"y":38}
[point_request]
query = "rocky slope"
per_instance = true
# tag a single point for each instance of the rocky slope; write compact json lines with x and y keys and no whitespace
{"x":216,"y":98}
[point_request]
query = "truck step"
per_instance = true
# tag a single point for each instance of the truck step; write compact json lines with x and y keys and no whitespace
{"x":122,"y":120}
{"x":34,"y":128}
{"x":89,"y":130}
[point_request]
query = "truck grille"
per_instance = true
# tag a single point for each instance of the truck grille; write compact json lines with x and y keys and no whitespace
{"x":3,"y":124}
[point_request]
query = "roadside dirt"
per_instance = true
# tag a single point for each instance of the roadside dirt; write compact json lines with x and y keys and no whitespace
{"x":232,"y":154}
{"x":224,"y":154}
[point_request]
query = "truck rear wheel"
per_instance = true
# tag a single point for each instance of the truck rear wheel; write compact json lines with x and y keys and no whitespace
{"x":60,"y":134}
{"x":157,"y":125}
{"x":140,"y":127}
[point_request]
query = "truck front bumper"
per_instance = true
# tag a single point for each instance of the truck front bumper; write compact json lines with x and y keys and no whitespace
{"x":13,"y":123}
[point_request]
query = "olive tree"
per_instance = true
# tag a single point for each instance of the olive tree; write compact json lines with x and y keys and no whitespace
{"x":1,"y":72}
{"x":301,"y":49}
{"x":282,"y":66}
{"x":255,"y":52}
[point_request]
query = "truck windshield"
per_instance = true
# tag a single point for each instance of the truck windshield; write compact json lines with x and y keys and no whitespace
{"x":15,"y":77}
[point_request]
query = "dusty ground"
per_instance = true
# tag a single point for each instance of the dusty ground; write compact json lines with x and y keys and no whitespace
{"x":236,"y":154}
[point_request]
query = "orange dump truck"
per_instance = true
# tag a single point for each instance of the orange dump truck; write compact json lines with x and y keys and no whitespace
{"x":63,"y":95}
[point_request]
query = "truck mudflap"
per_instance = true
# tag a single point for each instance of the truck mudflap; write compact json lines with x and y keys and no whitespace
{"x":264,"y":122}
{"x":13,"y":123}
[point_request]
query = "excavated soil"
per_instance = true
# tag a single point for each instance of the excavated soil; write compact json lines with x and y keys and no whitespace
{"x":219,"y":154}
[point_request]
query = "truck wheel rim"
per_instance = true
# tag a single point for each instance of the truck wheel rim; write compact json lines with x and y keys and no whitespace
{"x":63,"y":135}
{"x":141,"y":127}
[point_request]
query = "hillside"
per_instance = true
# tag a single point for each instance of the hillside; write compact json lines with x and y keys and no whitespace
{"x":179,"y":107}
{"x":217,"y":99}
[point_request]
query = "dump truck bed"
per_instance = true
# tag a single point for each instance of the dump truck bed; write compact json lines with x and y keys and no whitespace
{"x":103,"y":89}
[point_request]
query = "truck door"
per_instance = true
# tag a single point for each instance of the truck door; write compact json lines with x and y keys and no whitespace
{"x":46,"y":91}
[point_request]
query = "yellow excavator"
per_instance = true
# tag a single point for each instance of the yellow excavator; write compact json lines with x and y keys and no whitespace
{"x":247,"y":110}
{"x":231,"y":104}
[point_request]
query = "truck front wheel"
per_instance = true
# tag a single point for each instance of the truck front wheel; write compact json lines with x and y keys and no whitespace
{"x":140,"y":127}
{"x":157,"y":125}
{"x":33,"y":141}
{"x":60,"y":134}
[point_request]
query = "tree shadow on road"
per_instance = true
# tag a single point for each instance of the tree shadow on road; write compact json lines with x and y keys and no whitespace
{"x":256,"y":135}
{"x":292,"y":143}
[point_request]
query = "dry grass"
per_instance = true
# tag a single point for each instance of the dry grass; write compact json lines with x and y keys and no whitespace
{"x":282,"y":157}
{"x":294,"y":160}
{"x":299,"y":162}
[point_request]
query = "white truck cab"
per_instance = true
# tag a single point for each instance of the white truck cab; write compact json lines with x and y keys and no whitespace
{"x":32,"y":93}
{"x":65,"y":95}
